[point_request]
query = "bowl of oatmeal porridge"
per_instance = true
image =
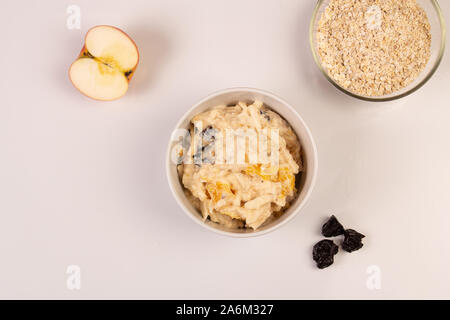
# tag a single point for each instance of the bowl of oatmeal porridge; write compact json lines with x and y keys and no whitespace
{"x":241,"y":162}
{"x":377,"y":50}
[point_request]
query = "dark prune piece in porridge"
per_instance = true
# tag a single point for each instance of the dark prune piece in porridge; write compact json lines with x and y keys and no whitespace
{"x":209,"y":134}
{"x":264,"y":114}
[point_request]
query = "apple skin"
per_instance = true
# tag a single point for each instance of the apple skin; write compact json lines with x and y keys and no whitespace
{"x":85,"y":53}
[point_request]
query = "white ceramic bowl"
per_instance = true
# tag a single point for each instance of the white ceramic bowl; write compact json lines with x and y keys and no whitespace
{"x":309,"y":155}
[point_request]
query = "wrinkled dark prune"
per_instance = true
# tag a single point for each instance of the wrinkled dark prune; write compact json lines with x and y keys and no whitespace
{"x":352,"y":240}
{"x":323,"y":253}
{"x":332,"y":228}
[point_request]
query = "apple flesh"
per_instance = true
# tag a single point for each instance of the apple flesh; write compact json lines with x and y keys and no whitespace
{"x":106,"y":64}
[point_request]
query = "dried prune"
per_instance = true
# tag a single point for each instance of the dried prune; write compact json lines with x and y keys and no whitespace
{"x":332,"y":228}
{"x":352,"y":240}
{"x":323,"y":253}
{"x":209,"y":134}
{"x":264,"y":114}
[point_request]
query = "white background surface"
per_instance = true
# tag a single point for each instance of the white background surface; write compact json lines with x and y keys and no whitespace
{"x":83,"y":182}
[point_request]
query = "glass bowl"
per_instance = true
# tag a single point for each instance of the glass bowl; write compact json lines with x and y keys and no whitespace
{"x":438,"y":33}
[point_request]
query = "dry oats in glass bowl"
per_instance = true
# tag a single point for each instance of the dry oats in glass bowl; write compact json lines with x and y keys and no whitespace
{"x":377,"y":50}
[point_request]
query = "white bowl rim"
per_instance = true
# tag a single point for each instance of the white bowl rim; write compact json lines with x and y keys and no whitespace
{"x":276,"y":226}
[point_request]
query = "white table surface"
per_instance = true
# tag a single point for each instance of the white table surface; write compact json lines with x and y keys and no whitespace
{"x":83,"y":182}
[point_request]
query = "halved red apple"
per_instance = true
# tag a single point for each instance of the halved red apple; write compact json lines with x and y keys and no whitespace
{"x":106,"y":64}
